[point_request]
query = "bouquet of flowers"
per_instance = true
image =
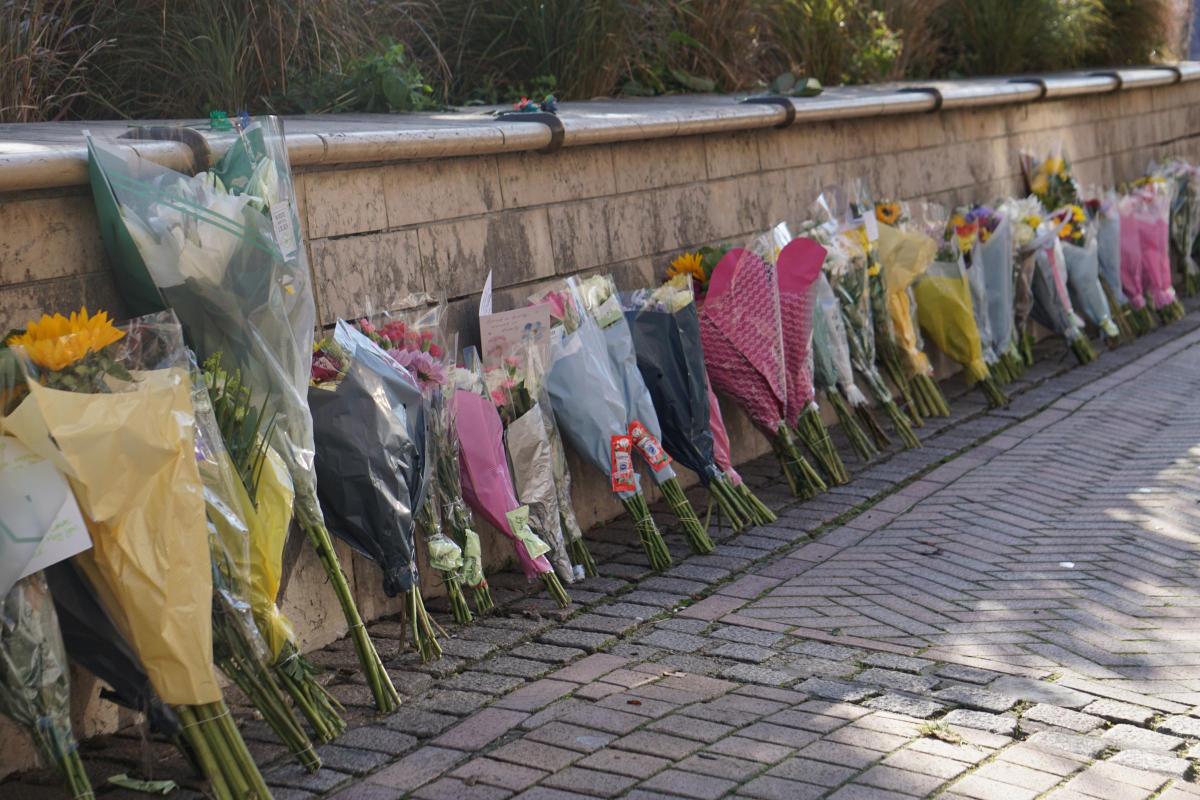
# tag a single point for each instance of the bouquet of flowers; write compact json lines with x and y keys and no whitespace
{"x":239,"y":649}
{"x":410,"y":342}
{"x":965,"y":229}
{"x":602,"y":301}
{"x":1103,"y":209}
{"x":1050,"y":179}
{"x":266,"y":499}
{"x":1081,"y":257}
{"x":487,"y":481}
{"x":1025,"y":215}
{"x":514,"y":387}
{"x":589,"y":402}
{"x":834,"y":374}
{"x":1151,"y":220}
{"x":112,"y":409}
{"x":797,"y":267}
{"x":755,"y":510}
{"x":223,"y":249}
{"x":1185,"y":221}
{"x":843,"y":230}
{"x":993,"y":258}
{"x":905,"y":252}
{"x":696,"y":266}
{"x":1052,"y":301}
{"x":742,"y":335}
{"x":371,"y":437}
{"x":35,"y":688}
{"x":945,"y":310}
{"x":666,"y":337}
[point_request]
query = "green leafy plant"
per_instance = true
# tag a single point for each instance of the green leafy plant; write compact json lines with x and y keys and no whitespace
{"x":383,"y":82}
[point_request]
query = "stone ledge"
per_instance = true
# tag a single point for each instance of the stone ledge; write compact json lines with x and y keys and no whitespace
{"x":52,"y":155}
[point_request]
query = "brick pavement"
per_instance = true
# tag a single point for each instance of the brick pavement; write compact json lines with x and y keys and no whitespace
{"x":1007,"y":612}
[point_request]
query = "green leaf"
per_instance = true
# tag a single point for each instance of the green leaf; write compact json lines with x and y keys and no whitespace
{"x":696,"y":84}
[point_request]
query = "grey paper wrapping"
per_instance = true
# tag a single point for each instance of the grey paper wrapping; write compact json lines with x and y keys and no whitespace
{"x":1108,"y":249}
{"x":588,"y":400}
{"x":531,"y":454}
{"x":619,"y":341}
{"x":1083,"y":281}
{"x":995,"y":257}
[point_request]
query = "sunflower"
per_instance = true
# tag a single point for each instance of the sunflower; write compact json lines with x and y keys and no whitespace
{"x":55,"y":343}
{"x":688,"y":264}
{"x":887,"y":213}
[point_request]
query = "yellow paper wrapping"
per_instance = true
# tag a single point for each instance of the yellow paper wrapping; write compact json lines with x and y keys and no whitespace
{"x":269,"y":524}
{"x":945,"y":313}
{"x":905,"y":256}
{"x":131,"y":461}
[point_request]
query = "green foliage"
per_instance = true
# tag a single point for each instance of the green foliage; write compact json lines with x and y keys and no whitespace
{"x":385,"y":81}
{"x":1011,"y":36}
{"x":836,"y":41}
{"x":244,"y":426}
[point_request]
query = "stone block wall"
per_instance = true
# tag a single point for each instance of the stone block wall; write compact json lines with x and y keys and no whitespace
{"x":380,"y":234}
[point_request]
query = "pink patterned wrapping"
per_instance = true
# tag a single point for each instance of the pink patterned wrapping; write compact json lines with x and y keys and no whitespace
{"x":1133,"y":281}
{"x":1154,"y":236}
{"x":743,"y":344}
{"x":486,"y":481}
{"x":798,"y":265}
{"x":720,"y":435}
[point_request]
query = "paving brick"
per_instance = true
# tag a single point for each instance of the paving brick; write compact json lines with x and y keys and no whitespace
{"x":1188,"y":727}
{"x":417,"y":768}
{"x":858,"y":791}
{"x":507,"y":775}
{"x":1063,"y":718}
{"x":1018,"y":775}
{"x":779,"y":734}
{"x":536,"y":695}
{"x":528,"y":751}
{"x":750,"y":673}
{"x":590,"y":782}
{"x":979,"y":788}
{"x":517,"y":667}
{"x":480,"y":729}
{"x":1088,"y":746}
{"x":842,"y":754}
{"x":768,"y":787}
{"x":467,"y":648}
{"x":636,"y":765}
{"x":982,"y":720}
{"x":737,"y":633}
{"x":737,"y":651}
{"x":418,"y":722}
{"x":689,"y":728}
{"x":1152,"y":762}
{"x":460,"y":790}
{"x":654,"y":743}
{"x":573,"y":737}
{"x":829,"y":652}
{"x":808,"y":770}
{"x":1040,"y":692}
{"x":1127,"y":737}
{"x":376,"y":738}
{"x":549,"y":653}
{"x":687,"y":784}
{"x":1062,"y":764}
{"x":911,"y":707}
{"x":900,"y":663}
{"x":926,"y":764}
{"x":899,"y":780}
{"x":351,"y":760}
{"x":891,"y":679}
{"x":602,"y":719}
{"x":978,"y":699}
{"x":959,"y":672}
{"x":358,"y":791}
{"x":453,"y":701}
{"x":296,"y":777}
{"x":586,"y":640}
{"x":750,"y":749}
{"x":1115,"y":711}
{"x":836,"y":690}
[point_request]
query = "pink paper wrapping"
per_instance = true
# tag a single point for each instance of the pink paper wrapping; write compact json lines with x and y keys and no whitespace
{"x":1154,"y":235}
{"x":1132,"y":279}
{"x":720,"y":438}
{"x":483,"y":466}
{"x":798,"y":265}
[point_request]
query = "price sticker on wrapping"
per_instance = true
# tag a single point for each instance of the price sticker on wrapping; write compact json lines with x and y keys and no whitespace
{"x":872,"y":226}
{"x":621,"y":454}
{"x":649,"y":446}
{"x":281,"y":221}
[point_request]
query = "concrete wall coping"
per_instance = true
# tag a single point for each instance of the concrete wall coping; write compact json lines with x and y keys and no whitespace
{"x":52,"y":155}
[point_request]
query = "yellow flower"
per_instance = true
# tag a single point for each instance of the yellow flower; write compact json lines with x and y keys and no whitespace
{"x":887,"y":213}
{"x":1077,"y":213}
{"x":1054,"y":166}
{"x":1040,"y":184}
{"x":1066,"y":231}
{"x":688,"y":264}
{"x":1033,"y":221}
{"x":56,"y":343}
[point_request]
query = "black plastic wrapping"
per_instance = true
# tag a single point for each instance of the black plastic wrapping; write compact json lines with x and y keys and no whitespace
{"x":671,"y":360}
{"x":371,"y":437}
{"x":93,"y":641}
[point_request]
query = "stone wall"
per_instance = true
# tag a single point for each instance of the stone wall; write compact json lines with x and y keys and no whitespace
{"x":382,"y":232}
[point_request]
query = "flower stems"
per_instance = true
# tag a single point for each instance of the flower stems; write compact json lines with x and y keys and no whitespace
{"x":929,"y":395}
{"x":459,"y":609}
{"x":693,"y":530}
{"x":482,"y":595}
{"x":761,"y":514}
{"x":555,"y":589}
{"x":995,"y":396}
{"x":867,"y":421}
{"x":1082,"y":348}
{"x":316,"y":704}
{"x":1171,"y":312}
{"x":811,"y":431}
{"x":894,"y":366}
{"x":424,"y":639}
{"x":577,"y":549}
{"x":58,"y":748}
{"x":1026,"y":348}
{"x":308,"y":516}
{"x":802,"y":479}
{"x":728,"y":503}
{"x":863,"y":447}
{"x":221,"y":752}
{"x":643,"y":523}
{"x":901,"y":425}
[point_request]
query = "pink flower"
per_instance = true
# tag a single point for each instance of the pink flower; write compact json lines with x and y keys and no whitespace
{"x":498,"y":397}
{"x":512,"y":361}
{"x":366,"y":327}
{"x":394,"y":331}
{"x":421,"y":366}
{"x":323,"y":369}
{"x":436,"y":351}
{"x":508,"y":383}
